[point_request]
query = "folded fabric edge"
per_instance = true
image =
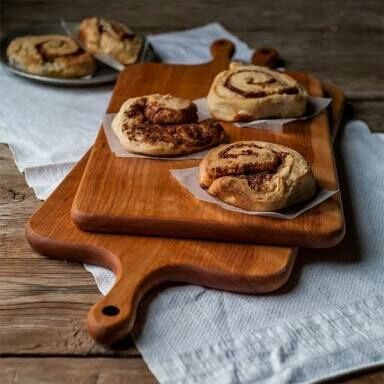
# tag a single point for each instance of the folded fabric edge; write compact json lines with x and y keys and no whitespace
{"x":216,"y":25}
{"x":216,"y":28}
{"x":351,"y":366}
{"x":305,"y":350}
{"x":43,"y":188}
{"x":24,"y":167}
{"x":104,"y":278}
{"x":350,"y":370}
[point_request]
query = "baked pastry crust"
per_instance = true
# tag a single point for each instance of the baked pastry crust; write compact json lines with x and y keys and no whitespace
{"x":257,"y":176}
{"x":50,"y":55}
{"x":100,"y":35}
{"x":164,"y":125}
{"x":247,"y":92}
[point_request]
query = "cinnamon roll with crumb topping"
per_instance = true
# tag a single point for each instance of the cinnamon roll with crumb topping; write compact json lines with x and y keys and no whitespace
{"x":164,"y":125}
{"x":50,"y":55}
{"x":248,"y":92}
{"x":257,"y":176}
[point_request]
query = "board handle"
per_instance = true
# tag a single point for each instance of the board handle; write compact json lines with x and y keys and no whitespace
{"x":266,"y":56}
{"x":113,"y":317}
{"x":222,"y":50}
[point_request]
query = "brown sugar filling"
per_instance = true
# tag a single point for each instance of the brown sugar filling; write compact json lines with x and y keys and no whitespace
{"x":144,"y":126}
{"x":288,"y":90}
{"x":257,"y":174}
{"x":49,"y":56}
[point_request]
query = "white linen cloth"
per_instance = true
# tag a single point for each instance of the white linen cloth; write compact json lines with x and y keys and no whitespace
{"x":328,"y":320}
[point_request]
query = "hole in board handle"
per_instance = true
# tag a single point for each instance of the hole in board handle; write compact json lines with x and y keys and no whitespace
{"x":111,"y":310}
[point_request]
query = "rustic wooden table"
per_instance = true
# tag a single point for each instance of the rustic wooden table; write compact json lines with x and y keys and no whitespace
{"x":43,"y":338}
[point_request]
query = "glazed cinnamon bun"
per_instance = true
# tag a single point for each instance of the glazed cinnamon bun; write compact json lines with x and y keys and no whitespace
{"x":100,"y":35}
{"x":248,"y":92}
{"x":257,"y":176}
{"x":50,"y":55}
{"x":164,"y":125}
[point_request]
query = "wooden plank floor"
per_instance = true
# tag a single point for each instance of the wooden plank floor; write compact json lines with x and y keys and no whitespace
{"x":43,"y":303}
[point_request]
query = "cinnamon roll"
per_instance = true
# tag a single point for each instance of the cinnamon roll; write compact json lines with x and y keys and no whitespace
{"x":50,"y":55}
{"x":110,"y":37}
{"x":164,"y":125}
{"x":248,"y":92}
{"x":257,"y":176}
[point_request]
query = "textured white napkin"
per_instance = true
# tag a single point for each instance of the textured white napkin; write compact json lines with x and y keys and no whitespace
{"x":328,"y":320}
{"x":48,"y":129}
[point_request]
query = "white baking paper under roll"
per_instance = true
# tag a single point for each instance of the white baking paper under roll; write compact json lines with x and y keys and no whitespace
{"x":118,"y":150}
{"x":315,"y":106}
{"x":318,"y":104}
{"x":188,"y":178}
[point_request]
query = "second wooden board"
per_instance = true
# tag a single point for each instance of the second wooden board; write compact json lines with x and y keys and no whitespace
{"x":139,"y":196}
{"x":142,"y":263}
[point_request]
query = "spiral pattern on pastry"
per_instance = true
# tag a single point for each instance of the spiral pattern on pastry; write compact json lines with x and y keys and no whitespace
{"x":257,"y":175}
{"x":50,"y":55}
{"x":164,"y":125}
{"x":248,"y":92}
{"x":105,"y":36}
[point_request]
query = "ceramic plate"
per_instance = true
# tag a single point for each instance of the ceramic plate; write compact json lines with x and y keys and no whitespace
{"x":104,"y":74}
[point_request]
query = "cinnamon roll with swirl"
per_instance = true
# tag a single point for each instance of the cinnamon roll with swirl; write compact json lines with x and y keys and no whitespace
{"x":257,"y":176}
{"x":50,"y":55}
{"x":164,"y":125}
{"x":100,"y":35}
{"x":248,"y":92}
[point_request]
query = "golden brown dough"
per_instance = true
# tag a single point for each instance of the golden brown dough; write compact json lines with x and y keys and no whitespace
{"x":248,"y":92}
{"x":256,"y":175}
{"x":164,"y":125}
{"x":50,"y":55}
{"x":100,"y":35}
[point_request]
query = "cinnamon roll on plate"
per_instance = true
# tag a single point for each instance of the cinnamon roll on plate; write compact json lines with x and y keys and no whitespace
{"x":105,"y":36}
{"x":50,"y":55}
{"x":164,"y":125}
{"x":257,"y":176}
{"x":248,"y":92}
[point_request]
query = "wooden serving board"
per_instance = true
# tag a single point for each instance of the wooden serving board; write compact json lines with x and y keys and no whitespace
{"x":141,"y":263}
{"x":139,"y":196}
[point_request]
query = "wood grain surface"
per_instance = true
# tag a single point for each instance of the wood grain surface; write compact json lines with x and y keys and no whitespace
{"x":41,"y":308}
{"x":139,"y":196}
{"x":71,"y":370}
{"x":151,"y":261}
{"x":141,"y":263}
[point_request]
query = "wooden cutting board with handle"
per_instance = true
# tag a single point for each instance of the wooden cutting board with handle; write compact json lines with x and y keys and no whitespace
{"x":141,"y":263}
{"x":139,"y":196}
